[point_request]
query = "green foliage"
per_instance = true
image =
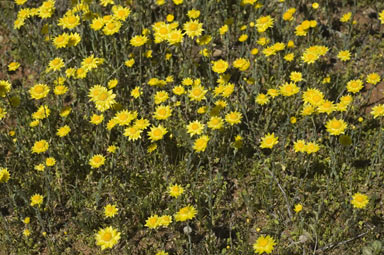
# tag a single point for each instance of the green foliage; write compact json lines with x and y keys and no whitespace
{"x":242,"y":185}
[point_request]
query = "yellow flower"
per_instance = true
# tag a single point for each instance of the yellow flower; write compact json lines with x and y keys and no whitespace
{"x":61,"y":41}
{"x":197,"y":93}
{"x":136,"y":92}
{"x":344,"y":55}
{"x":289,"y":89}
{"x":4,"y":175}
{"x":96,"y":161}
{"x":120,"y":12}
{"x":138,"y":40}
{"x":313,"y":53}
{"x":326,"y":107}
{"x":3,"y":112}
{"x":263,"y":23}
{"x":97,"y":23}
{"x":185,"y":213}
{"x":307,"y":110}
{"x":175,"y":190}
{"x":161,"y":253}
{"x":289,"y":57}
{"x":107,"y":238}
{"x":89,"y":63}
{"x":110,"y":210}
{"x":20,"y":2}
{"x":103,"y":98}
{"x":141,"y":123}
{"x":373,"y":78}
{"x":111,"y":123}
{"x":26,"y":232}
{"x":201,"y":143}
{"x":65,"y":111}
{"x":161,"y":96}
{"x":193,"y":14}
{"x":162,"y":112}
{"x":195,"y":128}
{"x":219,"y":66}
{"x":13,"y":66}
{"x":243,"y":38}
{"x":60,"y":90}
{"x":298,"y":208}
{"x":40,"y":167}
{"x":157,"y":133}
{"x":40,"y":146}
{"x":39,"y":91}
{"x":378,"y":111}
{"x":56,"y":64}
{"x":63,"y":131}
{"x":130,"y":62}
{"x":41,"y":113}
{"x":133,"y":133}
{"x":125,"y":117}
{"x":106,"y":2}
{"x":262,"y":99}
{"x":335,"y":126}
{"x":288,"y":15}
{"x":175,"y":37}
{"x":50,"y":161}
{"x":359,"y":200}
{"x":112,"y":149}
{"x":242,"y":64}
{"x":27,"y":220}
{"x":264,"y":244}
{"x":112,"y":27}
{"x":346,"y":17}
{"x":165,"y":220}
{"x":74,"y":39}
{"x":69,"y":21}
{"x":97,"y":119}
{"x":268,"y":141}
{"x":177,"y":2}
{"x":178,"y":90}
{"x":152,"y":221}
{"x":299,"y":146}
{"x":233,"y":118}
{"x":215,"y":122}
{"x":381,"y":17}
{"x":311,"y":148}
{"x":313,"y":96}
{"x":296,"y":76}
{"x":112,"y":83}
{"x":273,"y":93}
{"x":254,"y":51}
{"x":223,"y":29}
{"x":36,"y":199}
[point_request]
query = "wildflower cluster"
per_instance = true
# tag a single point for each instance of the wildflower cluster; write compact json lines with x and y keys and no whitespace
{"x":180,"y":125}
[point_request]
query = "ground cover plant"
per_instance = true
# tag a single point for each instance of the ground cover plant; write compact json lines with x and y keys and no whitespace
{"x":191,"y":127}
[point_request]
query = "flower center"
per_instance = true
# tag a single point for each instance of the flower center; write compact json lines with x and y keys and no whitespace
{"x":263,"y":243}
{"x":72,"y":20}
{"x":107,"y":237}
{"x":157,"y":132}
{"x":39,"y":89}
{"x":162,"y":112}
{"x":193,"y":27}
{"x":336,"y":125}
{"x":103,"y":96}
